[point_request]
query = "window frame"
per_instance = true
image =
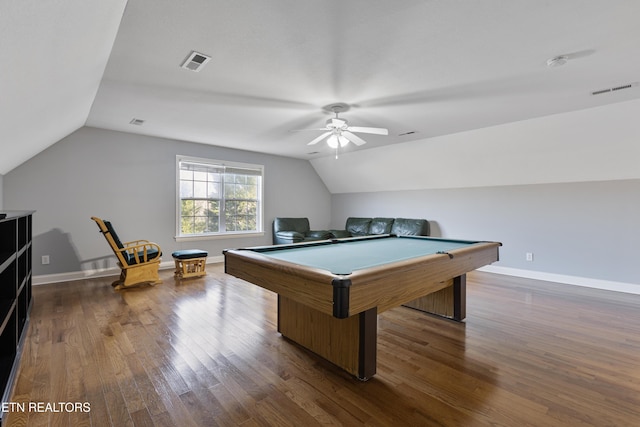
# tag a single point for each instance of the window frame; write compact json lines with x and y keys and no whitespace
{"x":224,"y":165}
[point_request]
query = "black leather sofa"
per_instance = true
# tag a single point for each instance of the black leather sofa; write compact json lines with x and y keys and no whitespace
{"x":356,"y":226}
{"x":295,"y":230}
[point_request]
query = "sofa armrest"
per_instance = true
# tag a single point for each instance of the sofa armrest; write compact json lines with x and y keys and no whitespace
{"x":285,"y":237}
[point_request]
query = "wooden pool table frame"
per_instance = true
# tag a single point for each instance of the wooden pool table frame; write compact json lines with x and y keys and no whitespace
{"x":335,"y":316}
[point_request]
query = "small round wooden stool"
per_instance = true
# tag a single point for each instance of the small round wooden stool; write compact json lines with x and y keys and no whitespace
{"x":190,"y":263}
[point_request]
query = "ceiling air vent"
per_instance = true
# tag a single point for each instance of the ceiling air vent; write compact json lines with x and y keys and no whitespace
{"x":614,"y":89}
{"x":195,"y":61}
{"x":137,"y":122}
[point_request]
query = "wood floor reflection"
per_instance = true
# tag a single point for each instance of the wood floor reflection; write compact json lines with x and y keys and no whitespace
{"x":206,"y":352}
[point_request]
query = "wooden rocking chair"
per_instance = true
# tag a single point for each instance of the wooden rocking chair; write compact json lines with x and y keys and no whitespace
{"x":139,"y":260}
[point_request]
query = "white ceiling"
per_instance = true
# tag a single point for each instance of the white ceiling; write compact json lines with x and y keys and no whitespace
{"x":430,"y":67}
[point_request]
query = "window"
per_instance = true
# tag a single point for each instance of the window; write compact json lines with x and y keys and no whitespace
{"x":218,"y":198}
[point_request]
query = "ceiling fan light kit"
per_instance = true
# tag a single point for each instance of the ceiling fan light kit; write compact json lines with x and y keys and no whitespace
{"x":334,"y":140}
{"x":338,"y":132}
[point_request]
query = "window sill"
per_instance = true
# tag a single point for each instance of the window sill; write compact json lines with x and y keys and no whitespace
{"x":219,"y":236}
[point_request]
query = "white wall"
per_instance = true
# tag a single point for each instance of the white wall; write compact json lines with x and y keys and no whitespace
{"x":131,"y":180}
{"x":1,"y":197}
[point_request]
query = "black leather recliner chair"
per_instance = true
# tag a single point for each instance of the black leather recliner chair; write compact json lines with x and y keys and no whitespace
{"x":295,"y":230}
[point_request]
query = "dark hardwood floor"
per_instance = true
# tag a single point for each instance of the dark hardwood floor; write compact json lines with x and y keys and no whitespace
{"x":206,"y":352}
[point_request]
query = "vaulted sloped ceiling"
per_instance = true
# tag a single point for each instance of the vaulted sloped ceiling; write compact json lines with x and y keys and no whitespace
{"x":52,"y":59}
{"x":420,"y":68}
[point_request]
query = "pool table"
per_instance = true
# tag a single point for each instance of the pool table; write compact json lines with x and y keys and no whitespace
{"x":330,"y":292}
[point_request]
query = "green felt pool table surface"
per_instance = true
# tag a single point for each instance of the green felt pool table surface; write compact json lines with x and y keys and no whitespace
{"x":349,"y":255}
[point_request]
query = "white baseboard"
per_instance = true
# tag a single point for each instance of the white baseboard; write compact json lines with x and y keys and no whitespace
{"x":629,"y":288}
{"x":115,"y":271}
{"x":608,"y":285}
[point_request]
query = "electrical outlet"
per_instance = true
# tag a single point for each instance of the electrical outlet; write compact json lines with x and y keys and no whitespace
{"x":45,"y":259}
{"x":529,"y":256}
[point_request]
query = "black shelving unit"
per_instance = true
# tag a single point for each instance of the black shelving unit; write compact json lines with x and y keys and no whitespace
{"x":15,"y":295}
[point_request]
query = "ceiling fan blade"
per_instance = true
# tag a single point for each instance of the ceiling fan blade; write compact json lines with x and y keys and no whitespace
{"x":377,"y":131}
{"x":320,"y":138}
{"x":353,"y":138}
{"x":302,"y":130}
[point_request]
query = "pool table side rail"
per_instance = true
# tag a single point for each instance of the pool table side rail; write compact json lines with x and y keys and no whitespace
{"x":307,"y":285}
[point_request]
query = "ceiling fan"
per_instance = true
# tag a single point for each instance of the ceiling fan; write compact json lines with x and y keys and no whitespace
{"x":338,"y":132}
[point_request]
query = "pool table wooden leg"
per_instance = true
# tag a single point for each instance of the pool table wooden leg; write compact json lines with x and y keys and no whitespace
{"x":348,"y":343}
{"x":460,"y":297}
{"x":450,"y":302}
